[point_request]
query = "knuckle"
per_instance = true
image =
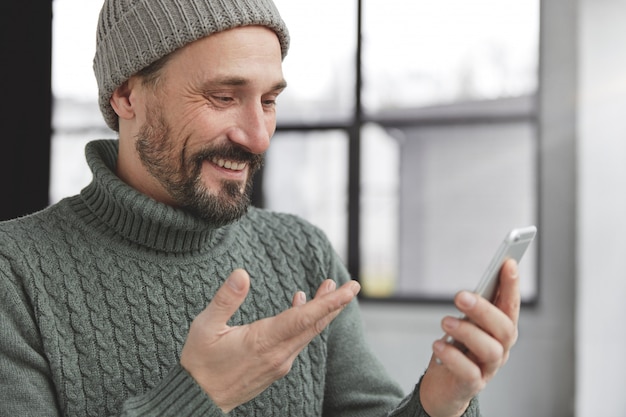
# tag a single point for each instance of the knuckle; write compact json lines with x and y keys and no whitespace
{"x":317,"y":324}
{"x":280,"y":366}
{"x":473,"y":379}
{"x":263,"y":345}
{"x":221,"y":301}
{"x":479,"y":384}
{"x":514,"y":335}
{"x":495,"y":353}
{"x":320,"y":325}
{"x":276,"y":360}
{"x":510,"y":336}
{"x":516,"y":304}
{"x":304,"y":323}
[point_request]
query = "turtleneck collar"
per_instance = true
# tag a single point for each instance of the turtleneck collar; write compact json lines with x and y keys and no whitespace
{"x":137,"y":217}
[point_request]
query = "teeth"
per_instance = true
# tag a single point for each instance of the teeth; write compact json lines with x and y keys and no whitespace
{"x":229,"y":164}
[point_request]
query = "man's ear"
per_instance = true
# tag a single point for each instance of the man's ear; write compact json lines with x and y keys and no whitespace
{"x":121,"y":101}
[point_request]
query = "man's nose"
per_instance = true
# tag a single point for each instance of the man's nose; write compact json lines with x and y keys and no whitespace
{"x":255,"y":129}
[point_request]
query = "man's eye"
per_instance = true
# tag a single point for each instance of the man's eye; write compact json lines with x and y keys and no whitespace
{"x":270,"y":101}
{"x":223,"y":99}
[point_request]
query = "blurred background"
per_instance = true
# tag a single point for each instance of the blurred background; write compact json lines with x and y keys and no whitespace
{"x":415,"y":134}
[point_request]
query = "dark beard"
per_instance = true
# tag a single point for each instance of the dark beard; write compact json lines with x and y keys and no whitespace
{"x":181,"y":176}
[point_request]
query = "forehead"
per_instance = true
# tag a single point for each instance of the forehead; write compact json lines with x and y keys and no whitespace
{"x":244,"y":52}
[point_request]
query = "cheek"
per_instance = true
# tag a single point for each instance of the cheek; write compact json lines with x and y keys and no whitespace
{"x":187,"y":128}
{"x":270,"y":123}
{"x":190,"y":114}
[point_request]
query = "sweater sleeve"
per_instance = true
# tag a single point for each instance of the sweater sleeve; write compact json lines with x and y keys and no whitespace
{"x":176,"y":395}
{"x":356,"y":382}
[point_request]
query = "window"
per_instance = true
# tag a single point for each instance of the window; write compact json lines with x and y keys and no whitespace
{"x":76,"y":117}
{"x":407,"y":132}
{"x":425,"y":53}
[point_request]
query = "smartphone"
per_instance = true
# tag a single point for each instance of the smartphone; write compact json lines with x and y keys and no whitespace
{"x":513,"y":246}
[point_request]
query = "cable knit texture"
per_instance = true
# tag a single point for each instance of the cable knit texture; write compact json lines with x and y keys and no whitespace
{"x":98,"y":291}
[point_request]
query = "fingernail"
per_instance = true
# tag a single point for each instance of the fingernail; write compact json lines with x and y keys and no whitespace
{"x":467,"y":300}
{"x":450,"y":323}
{"x":301,"y":298}
{"x":331,"y":286}
{"x":356,"y":287}
{"x":439,"y":346}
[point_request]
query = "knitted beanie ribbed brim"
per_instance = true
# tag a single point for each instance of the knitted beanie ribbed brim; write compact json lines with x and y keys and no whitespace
{"x":133,"y":34}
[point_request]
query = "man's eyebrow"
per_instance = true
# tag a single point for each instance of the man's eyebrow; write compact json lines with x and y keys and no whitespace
{"x":239,"y":82}
{"x":281,"y":85}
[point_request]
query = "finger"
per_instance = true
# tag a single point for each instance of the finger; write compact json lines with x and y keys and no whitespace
{"x":299,"y":326}
{"x":326,"y":287}
{"x":481,"y":347}
{"x":227,"y":300}
{"x":487,"y":317}
{"x":299,"y":299}
{"x":509,"y":298}
{"x":455,"y":361}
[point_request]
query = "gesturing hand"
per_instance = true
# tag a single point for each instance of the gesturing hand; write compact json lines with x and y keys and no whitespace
{"x":487,"y":337}
{"x":235,"y":364}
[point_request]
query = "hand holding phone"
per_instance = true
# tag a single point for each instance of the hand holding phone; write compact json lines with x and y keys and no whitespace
{"x":513,"y":246}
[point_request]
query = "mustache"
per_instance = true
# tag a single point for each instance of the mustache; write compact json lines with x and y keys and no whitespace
{"x":232,"y":153}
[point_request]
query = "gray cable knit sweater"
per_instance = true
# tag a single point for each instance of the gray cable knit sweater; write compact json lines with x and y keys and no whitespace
{"x":98,"y":291}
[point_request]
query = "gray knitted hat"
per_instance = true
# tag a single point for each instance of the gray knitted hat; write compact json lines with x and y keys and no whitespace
{"x":132,"y":34}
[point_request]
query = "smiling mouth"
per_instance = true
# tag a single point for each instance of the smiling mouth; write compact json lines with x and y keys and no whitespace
{"x":232,"y":165}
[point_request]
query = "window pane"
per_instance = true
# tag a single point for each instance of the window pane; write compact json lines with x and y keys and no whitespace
{"x":380,"y":228}
{"x":448,"y":51}
{"x":458,"y":190}
{"x":73,"y":48}
{"x":320,"y":66}
{"x":306,"y":174}
{"x":76,"y":118}
{"x":76,"y":122}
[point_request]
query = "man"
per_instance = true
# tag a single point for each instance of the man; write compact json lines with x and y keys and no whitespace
{"x":158,"y":291}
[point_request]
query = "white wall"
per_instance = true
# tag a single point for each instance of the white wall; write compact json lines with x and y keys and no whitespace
{"x":601,"y":335}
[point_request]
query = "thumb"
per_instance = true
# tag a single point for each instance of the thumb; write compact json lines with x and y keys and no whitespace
{"x":227,"y":299}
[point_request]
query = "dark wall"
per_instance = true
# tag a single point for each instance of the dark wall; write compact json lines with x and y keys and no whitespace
{"x":25,"y":105}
